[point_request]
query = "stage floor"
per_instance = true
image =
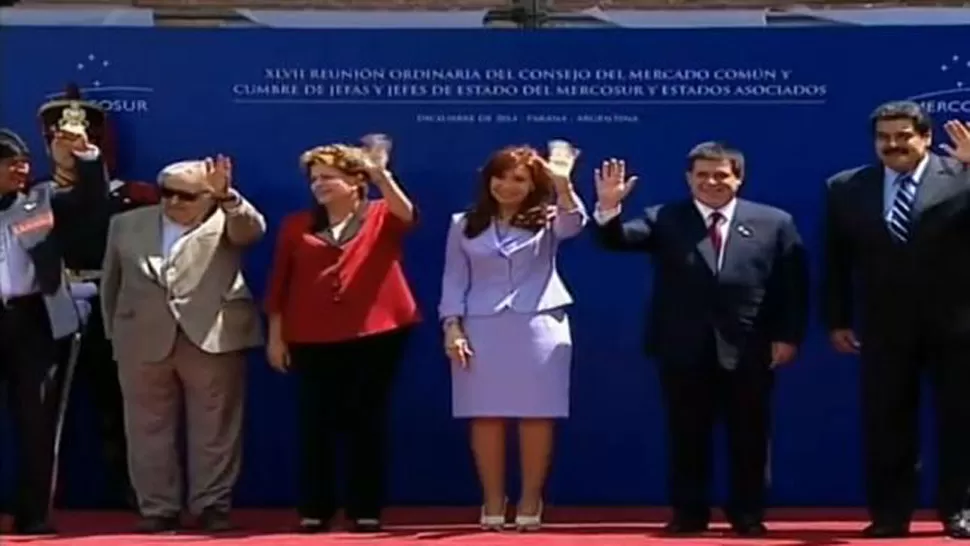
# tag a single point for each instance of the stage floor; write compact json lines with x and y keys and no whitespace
{"x":414,"y":526}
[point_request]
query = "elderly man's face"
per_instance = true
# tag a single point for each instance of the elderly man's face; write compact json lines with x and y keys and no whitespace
{"x":186,"y":199}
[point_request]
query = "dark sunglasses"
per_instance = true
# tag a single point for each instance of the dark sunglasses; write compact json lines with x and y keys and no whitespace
{"x":169,"y":193}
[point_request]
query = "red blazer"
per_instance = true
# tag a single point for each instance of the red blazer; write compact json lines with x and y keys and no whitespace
{"x":330,"y":290}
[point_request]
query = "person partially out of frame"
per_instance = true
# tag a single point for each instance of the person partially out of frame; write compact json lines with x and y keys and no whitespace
{"x":897,"y":260}
{"x":340,"y":313}
{"x":36,"y":307}
{"x":503,"y":310}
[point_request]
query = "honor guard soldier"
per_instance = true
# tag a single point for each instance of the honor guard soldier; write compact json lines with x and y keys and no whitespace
{"x":84,"y":245}
{"x":36,"y":307}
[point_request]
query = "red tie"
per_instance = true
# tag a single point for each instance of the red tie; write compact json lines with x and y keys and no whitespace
{"x":715,"y":234}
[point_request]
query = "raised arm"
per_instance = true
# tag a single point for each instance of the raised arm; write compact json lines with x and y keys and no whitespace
{"x":614,"y":234}
{"x":399,"y":204}
{"x":244,"y":224}
{"x":375,"y":158}
{"x":612,"y":187}
{"x":570,"y":214}
{"x":82,"y":193}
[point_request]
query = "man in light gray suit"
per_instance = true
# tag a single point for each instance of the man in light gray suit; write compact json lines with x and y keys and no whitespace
{"x":180,"y":316}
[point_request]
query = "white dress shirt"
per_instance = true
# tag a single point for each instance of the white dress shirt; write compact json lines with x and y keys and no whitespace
{"x":171,"y":234}
{"x":727,"y":212}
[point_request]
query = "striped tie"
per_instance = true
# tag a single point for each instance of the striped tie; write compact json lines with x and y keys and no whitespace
{"x":901,"y":213}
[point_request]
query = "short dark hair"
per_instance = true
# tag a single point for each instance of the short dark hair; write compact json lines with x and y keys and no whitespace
{"x":717,"y":151}
{"x":903,"y":109}
{"x":11,"y":145}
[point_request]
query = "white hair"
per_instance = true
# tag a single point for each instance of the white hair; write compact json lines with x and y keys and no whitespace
{"x":192,"y":170}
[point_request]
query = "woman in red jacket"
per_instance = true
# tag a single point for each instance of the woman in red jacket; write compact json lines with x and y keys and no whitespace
{"x":340,"y":311}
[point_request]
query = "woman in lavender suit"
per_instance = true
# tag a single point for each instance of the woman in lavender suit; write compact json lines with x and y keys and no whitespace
{"x":505,"y":325}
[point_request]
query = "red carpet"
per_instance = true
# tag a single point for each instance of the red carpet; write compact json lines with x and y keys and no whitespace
{"x":567,"y":527}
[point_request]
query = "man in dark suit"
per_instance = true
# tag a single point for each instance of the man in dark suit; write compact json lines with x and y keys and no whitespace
{"x":898,"y":251}
{"x":729,"y":305}
{"x":36,"y":307}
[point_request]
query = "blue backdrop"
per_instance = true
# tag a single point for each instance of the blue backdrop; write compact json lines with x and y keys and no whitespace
{"x":795,"y":100}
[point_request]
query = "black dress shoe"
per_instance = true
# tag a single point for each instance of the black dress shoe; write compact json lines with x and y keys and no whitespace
{"x":312,"y":526}
{"x":749,"y":528}
{"x":34,"y":528}
{"x":215,"y":521}
{"x":886,"y":530}
{"x":958,"y":527}
{"x":685,"y":526}
{"x":365,"y":525}
{"x":155,"y":525}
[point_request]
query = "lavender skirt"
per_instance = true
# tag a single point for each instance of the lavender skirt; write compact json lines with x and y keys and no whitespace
{"x":520,"y":368}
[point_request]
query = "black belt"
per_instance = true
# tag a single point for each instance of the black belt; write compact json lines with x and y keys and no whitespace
{"x":22,"y":301}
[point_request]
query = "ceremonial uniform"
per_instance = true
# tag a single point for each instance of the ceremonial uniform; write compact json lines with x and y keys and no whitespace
{"x":37,"y":310}
{"x":84,"y":246}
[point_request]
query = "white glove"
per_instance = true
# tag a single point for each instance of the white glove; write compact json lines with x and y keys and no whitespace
{"x":83,"y":290}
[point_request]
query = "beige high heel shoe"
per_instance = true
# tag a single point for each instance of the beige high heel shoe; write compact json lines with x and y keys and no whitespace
{"x":493,"y":523}
{"x":530,"y":523}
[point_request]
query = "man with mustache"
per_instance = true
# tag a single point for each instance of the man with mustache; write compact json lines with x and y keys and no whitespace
{"x":897,"y":248}
{"x":36,"y":308}
{"x":83,"y":245}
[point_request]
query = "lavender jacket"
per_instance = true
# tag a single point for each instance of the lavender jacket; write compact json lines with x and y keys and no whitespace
{"x":483,"y":277}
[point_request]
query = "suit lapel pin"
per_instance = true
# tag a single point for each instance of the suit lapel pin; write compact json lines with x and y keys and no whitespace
{"x":30,"y":206}
{"x":744,"y":231}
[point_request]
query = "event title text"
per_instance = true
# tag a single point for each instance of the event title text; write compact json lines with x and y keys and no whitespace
{"x":540,"y":85}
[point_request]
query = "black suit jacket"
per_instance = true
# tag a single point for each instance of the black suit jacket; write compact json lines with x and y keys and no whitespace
{"x":83,"y":237}
{"x":46,"y":213}
{"x":759,"y":296}
{"x":898,"y":289}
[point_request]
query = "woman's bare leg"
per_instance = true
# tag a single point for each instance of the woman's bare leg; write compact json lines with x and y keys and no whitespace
{"x":536,"y":438}
{"x":488,"y":447}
